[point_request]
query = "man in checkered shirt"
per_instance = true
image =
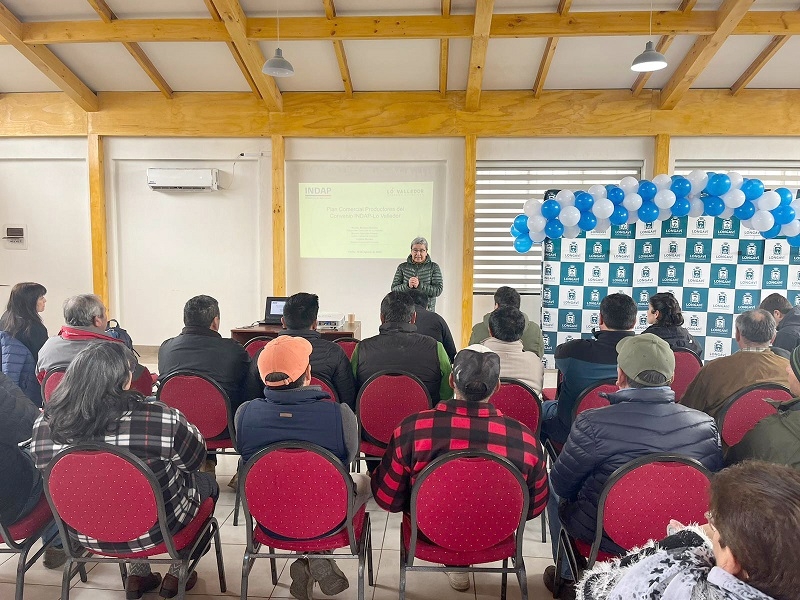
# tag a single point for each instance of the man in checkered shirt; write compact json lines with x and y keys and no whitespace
{"x":466,"y":422}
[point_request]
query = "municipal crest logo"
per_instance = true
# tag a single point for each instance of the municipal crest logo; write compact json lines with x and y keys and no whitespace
{"x":694,"y":297}
{"x":546,"y":318}
{"x":572,"y":271}
{"x":623,"y":248}
{"x":718,"y":347}
{"x":698,"y":248}
{"x":595,"y":294}
{"x":596,"y":271}
{"x":569,"y":319}
{"x":747,"y":298}
{"x":648,"y":227}
{"x":727,"y":225}
{"x":594,"y":319}
{"x":645,"y":272}
{"x":673,"y":247}
{"x":621,"y":272}
{"x":751,"y":249}
{"x":723,"y":273}
{"x":647,"y":248}
{"x":571,"y":294}
{"x":547,"y":294}
{"x":573,"y":247}
{"x":671,"y":271}
{"x":722,"y":298}
{"x":697,"y":273}
{"x":694,"y":321}
{"x":695,"y":300}
{"x":701,"y":223}
{"x":675,"y":223}
{"x":699,"y":251}
{"x":775,"y":275}
{"x":569,"y":338}
{"x":719,"y":322}
{"x":548,"y":247}
{"x":597,"y":248}
{"x":642,"y":320}
{"x":777,"y":250}
{"x":644,"y":296}
{"x":725,"y":249}
{"x":749,"y":274}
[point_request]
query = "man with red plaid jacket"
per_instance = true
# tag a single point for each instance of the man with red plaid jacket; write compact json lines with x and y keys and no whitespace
{"x":467,"y":422}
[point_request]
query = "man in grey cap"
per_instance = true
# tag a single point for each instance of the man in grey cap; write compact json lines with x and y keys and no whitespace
{"x":642,"y":419}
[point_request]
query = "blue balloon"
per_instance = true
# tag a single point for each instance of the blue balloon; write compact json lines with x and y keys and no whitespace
{"x":554,"y":229}
{"x":619,"y":216}
{"x":681,"y":186}
{"x":615,"y":194}
{"x":515,"y":232}
{"x":588,"y":221}
{"x":550,"y":209}
{"x":785,"y":194}
{"x":753,"y":189}
{"x":681,"y":207}
{"x":771,"y":233}
{"x":745,"y":211}
{"x":521,"y":223}
{"x":583,"y":201}
{"x":714,"y":206}
{"x":794,"y":241}
{"x":718,"y":184}
{"x":648,"y":212}
{"x":647,"y":190}
{"x":783,"y":214}
{"x":522,"y":244}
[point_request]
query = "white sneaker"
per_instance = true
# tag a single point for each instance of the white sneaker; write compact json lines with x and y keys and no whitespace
{"x":459,"y":580}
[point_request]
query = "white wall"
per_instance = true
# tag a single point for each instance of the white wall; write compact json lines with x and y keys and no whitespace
{"x":44,"y":185}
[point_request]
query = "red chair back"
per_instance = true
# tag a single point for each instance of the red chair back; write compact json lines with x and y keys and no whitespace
{"x":518,"y":401}
{"x":144,"y":383}
{"x":348,"y":345}
{"x":744,"y":409}
{"x":253,"y":346}
{"x":50,"y":382}
{"x":326,"y":386}
{"x":202,"y":401}
{"x":385,"y":400}
{"x":479,"y":516}
{"x":687,"y":366}
{"x":591,"y":398}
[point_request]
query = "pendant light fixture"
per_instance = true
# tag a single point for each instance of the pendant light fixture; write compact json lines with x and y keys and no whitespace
{"x":277,"y":66}
{"x":650,"y":60}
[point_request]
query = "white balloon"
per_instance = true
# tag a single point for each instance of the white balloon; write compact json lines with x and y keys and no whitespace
{"x":536,"y":223}
{"x":571,"y":232}
{"x":532,"y":208}
{"x":748,"y":223}
{"x":791,"y":229}
{"x":604,"y":224}
{"x":662,"y":182}
{"x":699,"y":180}
{"x":569,"y":216}
{"x":565,"y":198}
{"x":736,"y":180}
{"x":598,"y":191}
{"x":734,"y":198}
{"x":633,"y":216}
{"x":727,"y":213}
{"x":762,"y":220}
{"x":629,"y":184}
{"x":664,"y":199}
{"x":664,"y":214}
{"x":632,"y":202}
{"x":537,"y":236}
{"x":769,"y":201}
{"x":696,"y":207}
{"x":603,"y":208}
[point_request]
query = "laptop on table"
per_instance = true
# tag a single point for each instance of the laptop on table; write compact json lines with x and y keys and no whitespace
{"x":273,"y":310}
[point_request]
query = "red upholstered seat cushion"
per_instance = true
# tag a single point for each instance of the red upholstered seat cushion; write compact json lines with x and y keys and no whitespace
{"x":331,"y":542}
{"x":585,"y":549}
{"x":549,"y":393}
{"x":219,"y":444}
{"x":372,"y":449}
{"x":32,"y":522}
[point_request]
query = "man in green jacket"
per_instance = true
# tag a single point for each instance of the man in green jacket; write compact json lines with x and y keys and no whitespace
{"x":532,"y":336}
{"x":776,"y":439}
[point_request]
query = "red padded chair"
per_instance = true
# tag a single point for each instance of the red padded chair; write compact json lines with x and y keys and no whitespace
{"x":326,"y":386}
{"x":144,"y":383}
{"x":591,"y":398}
{"x":284,"y":510}
{"x":253,"y":346}
{"x":479,"y":524}
{"x":744,"y":409}
{"x":637,"y":503}
{"x":687,"y":366}
{"x":106,"y":493}
{"x":50,"y":382}
{"x":348,"y":344}
{"x":382,"y":403}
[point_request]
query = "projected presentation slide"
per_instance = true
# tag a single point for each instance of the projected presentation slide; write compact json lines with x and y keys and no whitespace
{"x":363,"y":220}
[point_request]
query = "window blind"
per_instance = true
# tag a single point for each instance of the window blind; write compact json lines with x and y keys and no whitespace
{"x":772,"y":173}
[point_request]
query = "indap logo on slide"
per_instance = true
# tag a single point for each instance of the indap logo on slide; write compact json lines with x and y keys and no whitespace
{"x":317,"y":192}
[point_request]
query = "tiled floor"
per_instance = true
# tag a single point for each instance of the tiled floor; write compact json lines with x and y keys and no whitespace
{"x":105,"y":584}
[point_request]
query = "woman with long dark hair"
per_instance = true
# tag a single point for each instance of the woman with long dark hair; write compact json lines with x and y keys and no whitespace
{"x":21,"y":319}
{"x":94,"y":402}
{"x":666,"y":320}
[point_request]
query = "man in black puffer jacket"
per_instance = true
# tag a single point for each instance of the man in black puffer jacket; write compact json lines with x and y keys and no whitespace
{"x":642,"y":419}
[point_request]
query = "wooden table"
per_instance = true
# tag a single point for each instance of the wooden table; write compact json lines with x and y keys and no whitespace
{"x":245,"y":334}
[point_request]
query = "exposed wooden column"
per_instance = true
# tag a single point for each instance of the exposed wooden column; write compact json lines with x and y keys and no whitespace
{"x":97,"y":217}
{"x":549,"y":53}
{"x":468,"y":243}
{"x":477,"y":55}
{"x":703,"y":50}
{"x":338,"y":47}
{"x":278,"y":215}
{"x":661,"y":155}
{"x":772,"y":48}
{"x":47,"y":62}
{"x":444,"y":53}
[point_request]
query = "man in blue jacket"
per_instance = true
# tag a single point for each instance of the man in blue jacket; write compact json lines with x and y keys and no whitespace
{"x":642,"y":419}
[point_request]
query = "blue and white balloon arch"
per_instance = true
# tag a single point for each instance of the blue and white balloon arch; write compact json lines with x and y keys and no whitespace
{"x":774,"y":213}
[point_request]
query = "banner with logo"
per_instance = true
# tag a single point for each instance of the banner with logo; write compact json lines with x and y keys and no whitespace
{"x":716,"y":268}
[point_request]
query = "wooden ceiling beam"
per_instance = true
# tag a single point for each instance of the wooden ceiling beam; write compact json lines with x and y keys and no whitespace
{"x":48,"y":63}
{"x":703,"y":50}
{"x":549,"y":53}
{"x":253,"y":59}
{"x":477,"y":54}
{"x":444,"y":53}
{"x":234,"y":52}
{"x":772,"y":48}
{"x":338,"y":48}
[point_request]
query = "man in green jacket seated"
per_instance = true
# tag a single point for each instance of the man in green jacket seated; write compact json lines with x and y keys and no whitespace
{"x":532,"y":336}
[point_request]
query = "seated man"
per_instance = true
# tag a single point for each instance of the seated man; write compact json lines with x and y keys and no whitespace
{"x":753,"y":363}
{"x":532,"y":340}
{"x":642,"y":419}
{"x":398,"y":347}
{"x":506,"y":325}
{"x":584,"y":362}
{"x":432,"y":324}
{"x":775,"y":439}
{"x":466,"y":422}
{"x":328,"y":360}
{"x":291,"y":409}
{"x":788,"y":319}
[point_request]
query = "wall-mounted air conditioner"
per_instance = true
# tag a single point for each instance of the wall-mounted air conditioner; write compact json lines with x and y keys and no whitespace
{"x":183,"y":180}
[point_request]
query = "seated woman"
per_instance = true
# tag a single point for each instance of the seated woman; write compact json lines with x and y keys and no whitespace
{"x":22,"y":320}
{"x":746,"y":551}
{"x":94,"y":402}
{"x":665,"y":319}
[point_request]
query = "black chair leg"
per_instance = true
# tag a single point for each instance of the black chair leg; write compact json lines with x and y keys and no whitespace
{"x":504,"y":580}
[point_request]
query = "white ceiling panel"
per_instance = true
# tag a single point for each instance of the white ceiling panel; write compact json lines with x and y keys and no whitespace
{"x":315,"y":66}
{"x":676,"y":53}
{"x":781,"y":71}
{"x":392,"y":65}
{"x":158,"y":9}
{"x":50,"y":10}
{"x":458,"y":63}
{"x":512,"y":64}
{"x":19,"y":75}
{"x":388,"y":7}
{"x":104,"y":67}
{"x":197,"y":66}
{"x":774,"y":5}
{"x":464,"y":7}
{"x":731,"y":61}
{"x":289,"y":8}
{"x":621,"y":5}
{"x":589,"y":63}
